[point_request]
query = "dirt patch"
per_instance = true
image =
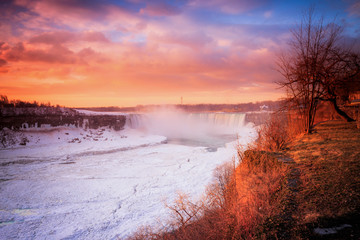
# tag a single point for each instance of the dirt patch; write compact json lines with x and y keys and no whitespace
{"x":22,"y":161}
{"x":70,"y":162}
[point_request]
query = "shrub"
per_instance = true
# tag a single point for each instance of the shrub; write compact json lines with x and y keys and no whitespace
{"x":8,"y":138}
{"x":278,"y":131}
{"x":260,"y":188}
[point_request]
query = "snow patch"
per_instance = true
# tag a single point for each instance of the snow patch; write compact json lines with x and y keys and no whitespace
{"x":334,"y":230}
{"x":92,"y":113}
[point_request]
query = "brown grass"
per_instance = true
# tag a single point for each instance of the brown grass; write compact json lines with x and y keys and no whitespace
{"x":329,"y":161}
{"x":261,"y":191}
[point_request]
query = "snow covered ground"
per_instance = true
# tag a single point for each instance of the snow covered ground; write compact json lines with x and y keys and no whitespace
{"x":68,"y":183}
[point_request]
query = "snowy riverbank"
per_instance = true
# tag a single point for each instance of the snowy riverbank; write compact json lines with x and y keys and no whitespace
{"x":98,"y":184}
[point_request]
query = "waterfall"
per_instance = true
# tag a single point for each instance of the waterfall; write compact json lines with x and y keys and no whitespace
{"x":179,"y":120}
{"x":192,"y":129}
{"x":230,"y":120}
{"x":135,"y":121}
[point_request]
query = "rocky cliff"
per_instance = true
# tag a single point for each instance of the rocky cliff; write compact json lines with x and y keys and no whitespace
{"x":23,"y":118}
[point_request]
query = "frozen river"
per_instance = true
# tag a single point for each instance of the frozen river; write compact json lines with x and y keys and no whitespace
{"x":75,"y":184}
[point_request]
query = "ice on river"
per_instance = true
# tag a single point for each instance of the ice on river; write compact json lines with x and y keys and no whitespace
{"x":76,"y":184}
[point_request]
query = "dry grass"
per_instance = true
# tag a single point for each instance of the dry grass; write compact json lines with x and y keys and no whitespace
{"x":329,"y":161}
{"x":261,"y":191}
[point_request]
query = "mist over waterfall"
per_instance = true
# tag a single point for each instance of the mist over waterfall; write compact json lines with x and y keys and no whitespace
{"x":228,"y":120}
{"x":195,"y":129}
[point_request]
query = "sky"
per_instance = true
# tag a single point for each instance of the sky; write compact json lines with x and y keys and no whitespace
{"x":88,"y":53}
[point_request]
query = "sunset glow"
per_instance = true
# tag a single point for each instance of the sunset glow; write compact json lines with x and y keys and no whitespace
{"x":123,"y":53}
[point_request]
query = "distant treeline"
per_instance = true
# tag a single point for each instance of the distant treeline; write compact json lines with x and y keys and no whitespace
{"x":241,"y":107}
{"x":6,"y":103}
{"x":16,"y":108}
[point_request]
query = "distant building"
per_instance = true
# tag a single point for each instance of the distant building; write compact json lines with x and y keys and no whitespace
{"x":354,"y":96}
{"x":355,"y":104}
{"x":264,"y":108}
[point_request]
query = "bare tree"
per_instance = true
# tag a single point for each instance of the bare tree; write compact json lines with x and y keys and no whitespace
{"x":340,"y":79}
{"x":315,"y":67}
{"x":3,"y":100}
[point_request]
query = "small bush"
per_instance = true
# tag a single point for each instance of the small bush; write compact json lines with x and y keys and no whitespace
{"x":278,"y":131}
{"x":9,"y":138}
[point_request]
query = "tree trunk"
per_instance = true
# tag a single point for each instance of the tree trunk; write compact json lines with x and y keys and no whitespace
{"x":342,"y":114}
{"x":308,"y":126}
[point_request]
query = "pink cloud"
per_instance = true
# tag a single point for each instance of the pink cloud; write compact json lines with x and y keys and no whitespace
{"x":91,"y":36}
{"x":195,"y":40}
{"x":159,"y":9}
{"x":53,"y":37}
{"x":54,"y":54}
{"x":4,"y":46}
{"x":3,"y":62}
{"x":65,"y":36}
{"x":88,"y":9}
{"x":15,"y":53}
{"x":86,"y":52}
{"x":74,"y":14}
{"x":354,"y":10}
{"x":230,"y":6}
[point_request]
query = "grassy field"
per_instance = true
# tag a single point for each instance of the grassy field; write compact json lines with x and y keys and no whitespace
{"x":327,"y":193}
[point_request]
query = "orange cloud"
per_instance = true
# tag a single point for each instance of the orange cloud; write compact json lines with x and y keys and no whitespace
{"x":95,"y":55}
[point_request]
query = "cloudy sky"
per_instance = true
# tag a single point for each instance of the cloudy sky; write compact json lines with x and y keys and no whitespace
{"x":123,"y":53}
